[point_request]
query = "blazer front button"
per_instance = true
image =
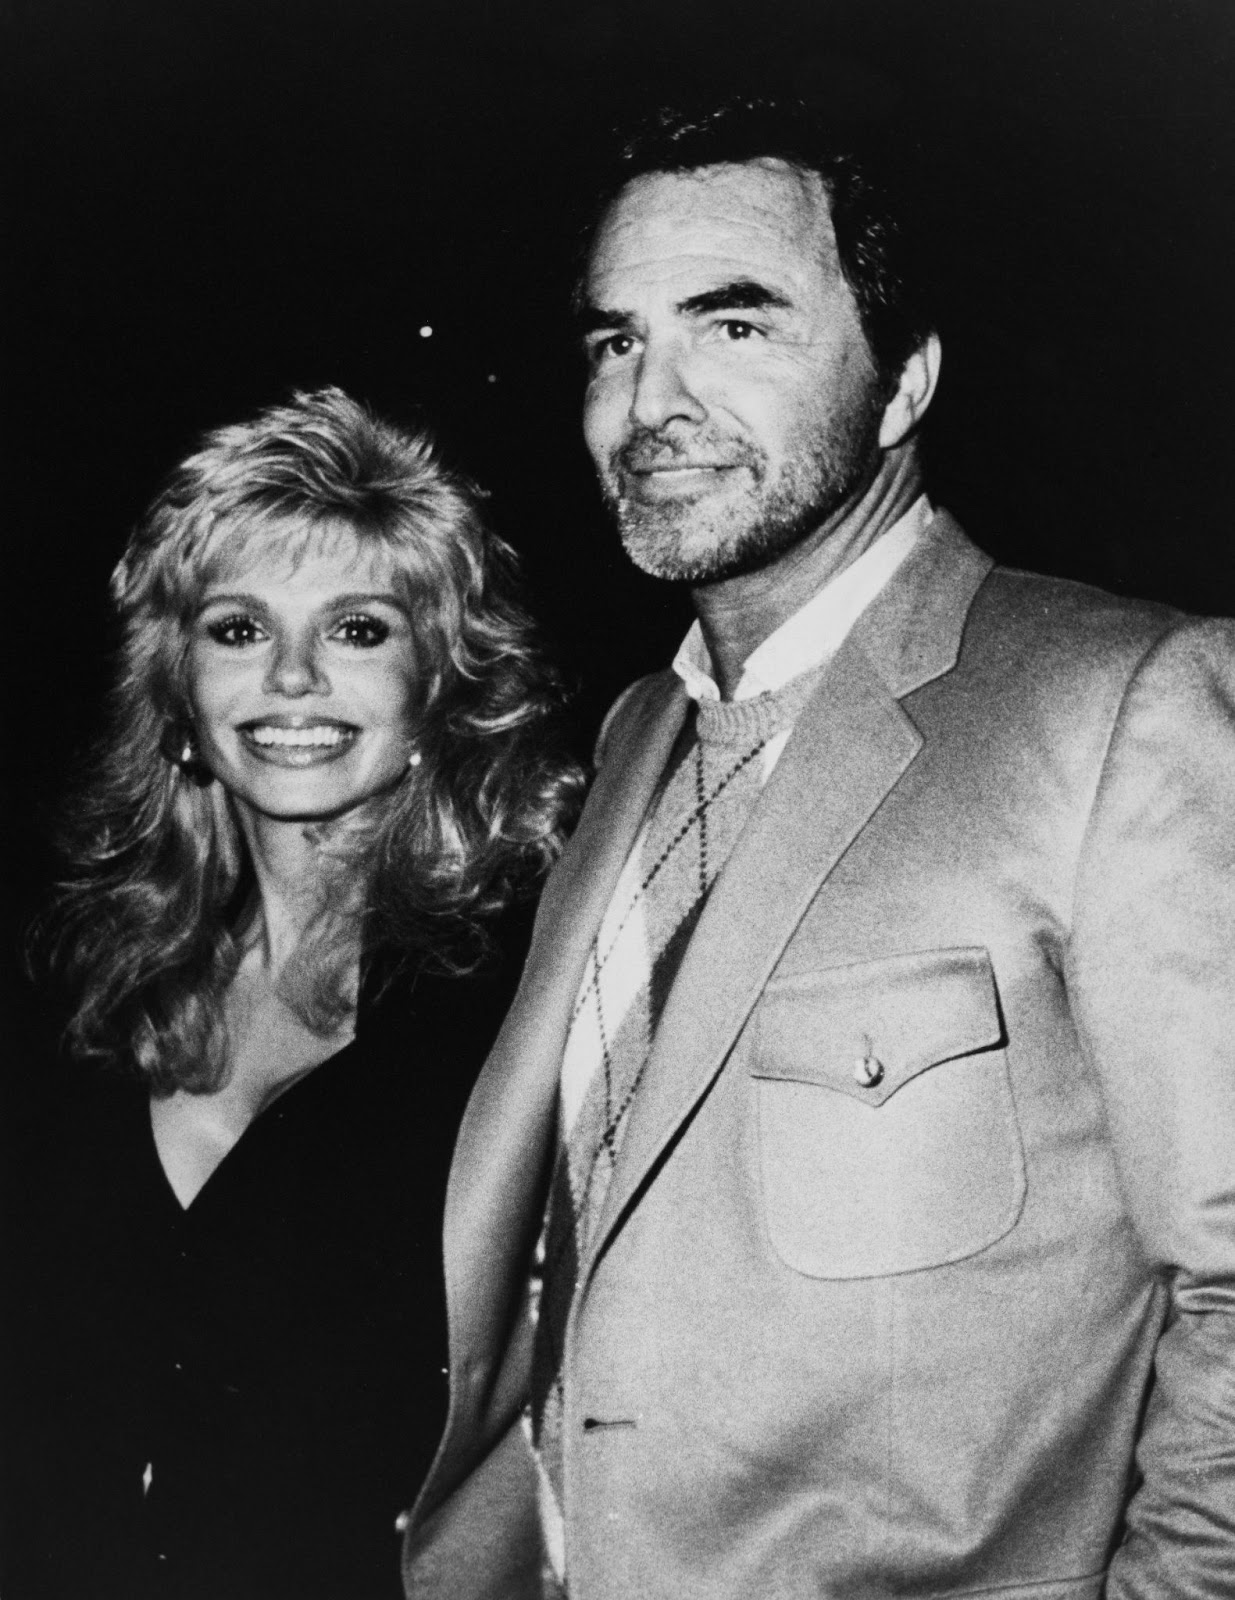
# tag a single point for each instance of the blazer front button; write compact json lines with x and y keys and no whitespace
{"x":868,"y":1072}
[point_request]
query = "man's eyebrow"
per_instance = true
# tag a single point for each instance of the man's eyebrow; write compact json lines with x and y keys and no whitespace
{"x":590,"y":319}
{"x":743,"y":294}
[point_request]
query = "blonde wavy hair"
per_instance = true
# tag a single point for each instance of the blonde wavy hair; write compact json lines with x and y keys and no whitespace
{"x":147,"y":927}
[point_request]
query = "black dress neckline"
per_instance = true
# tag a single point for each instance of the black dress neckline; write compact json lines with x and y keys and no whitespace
{"x":238,"y":1398}
{"x":388,"y":980}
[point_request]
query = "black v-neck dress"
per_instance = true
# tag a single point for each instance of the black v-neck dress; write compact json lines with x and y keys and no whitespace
{"x":235,"y":1400}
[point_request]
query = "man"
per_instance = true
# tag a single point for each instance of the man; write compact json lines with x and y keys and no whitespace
{"x":875,"y":1049}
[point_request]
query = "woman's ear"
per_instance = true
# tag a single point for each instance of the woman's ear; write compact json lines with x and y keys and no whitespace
{"x":913,"y":394}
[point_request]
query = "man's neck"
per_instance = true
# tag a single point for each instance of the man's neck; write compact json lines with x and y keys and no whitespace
{"x":737,"y":614}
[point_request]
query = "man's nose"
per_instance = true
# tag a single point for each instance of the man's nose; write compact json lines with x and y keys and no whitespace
{"x":663,"y":390}
{"x":295,"y":668}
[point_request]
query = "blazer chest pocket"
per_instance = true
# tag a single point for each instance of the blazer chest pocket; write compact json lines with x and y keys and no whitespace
{"x":888,"y":1139}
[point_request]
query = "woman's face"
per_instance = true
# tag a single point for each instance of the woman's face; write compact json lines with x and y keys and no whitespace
{"x":299,"y":679}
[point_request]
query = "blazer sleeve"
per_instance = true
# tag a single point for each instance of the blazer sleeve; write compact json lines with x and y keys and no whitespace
{"x":483,"y":1542}
{"x":1151,"y":980}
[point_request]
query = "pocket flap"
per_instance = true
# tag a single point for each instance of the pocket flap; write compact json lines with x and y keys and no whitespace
{"x":867,"y":1029}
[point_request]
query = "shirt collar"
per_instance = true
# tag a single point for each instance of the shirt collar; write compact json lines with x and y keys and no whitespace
{"x":816,"y":630}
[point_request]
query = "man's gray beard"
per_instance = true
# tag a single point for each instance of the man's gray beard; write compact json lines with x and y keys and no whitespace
{"x":726,"y":544}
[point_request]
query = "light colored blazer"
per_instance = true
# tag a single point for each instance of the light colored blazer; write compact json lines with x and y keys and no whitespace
{"x":969,"y":1328}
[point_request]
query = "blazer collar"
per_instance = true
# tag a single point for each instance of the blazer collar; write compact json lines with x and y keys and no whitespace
{"x":911,"y":632}
{"x":852,"y":743}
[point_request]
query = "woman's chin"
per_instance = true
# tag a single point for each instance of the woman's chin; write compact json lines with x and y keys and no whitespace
{"x":307,"y":797}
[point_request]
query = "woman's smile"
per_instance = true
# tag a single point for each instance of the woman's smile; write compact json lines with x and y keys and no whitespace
{"x":298,"y":743}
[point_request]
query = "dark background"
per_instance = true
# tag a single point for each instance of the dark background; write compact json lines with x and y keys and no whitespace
{"x":212,"y":201}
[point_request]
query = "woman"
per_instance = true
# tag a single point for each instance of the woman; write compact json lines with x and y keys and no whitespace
{"x":327,"y":765}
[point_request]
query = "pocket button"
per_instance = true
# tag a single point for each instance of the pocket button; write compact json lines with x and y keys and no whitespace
{"x":868,"y":1072}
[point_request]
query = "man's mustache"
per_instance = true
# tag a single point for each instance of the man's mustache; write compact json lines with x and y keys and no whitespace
{"x":652,"y":450}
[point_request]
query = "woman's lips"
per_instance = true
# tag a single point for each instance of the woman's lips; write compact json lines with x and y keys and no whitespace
{"x":302,"y":746}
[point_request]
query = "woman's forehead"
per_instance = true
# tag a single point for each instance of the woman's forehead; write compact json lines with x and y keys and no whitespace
{"x":280,"y":548}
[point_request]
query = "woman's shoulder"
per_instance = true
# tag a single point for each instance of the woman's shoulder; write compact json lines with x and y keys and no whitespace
{"x":80,"y":1173}
{"x":455,"y":1012}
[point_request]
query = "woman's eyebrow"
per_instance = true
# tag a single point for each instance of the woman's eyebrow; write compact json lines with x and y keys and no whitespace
{"x":334,"y":602}
{"x":365,"y":597}
{"x":230,"y":597}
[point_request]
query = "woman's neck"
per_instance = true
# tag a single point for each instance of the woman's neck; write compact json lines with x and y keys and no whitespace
{"x":298,"y":885}
{"x":300,"y":904}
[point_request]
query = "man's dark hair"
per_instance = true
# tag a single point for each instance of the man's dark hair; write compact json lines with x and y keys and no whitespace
{"x":871,"y":218}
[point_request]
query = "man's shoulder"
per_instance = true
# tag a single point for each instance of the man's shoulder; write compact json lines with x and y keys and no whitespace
{"x":1030,"y":602}
{"x":1043,"y":597}
{"x":631,"y":706}
{"x":1032,"y":618}
{"x":1069,"y":655}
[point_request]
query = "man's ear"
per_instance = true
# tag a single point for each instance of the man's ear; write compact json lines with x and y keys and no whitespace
{"x":913,"y":394}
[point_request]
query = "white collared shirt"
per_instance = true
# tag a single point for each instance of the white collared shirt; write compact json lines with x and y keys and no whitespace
{"x":814,"y":633}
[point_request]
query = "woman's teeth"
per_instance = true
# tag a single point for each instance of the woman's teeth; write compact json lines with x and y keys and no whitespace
{"x":298,"y":736}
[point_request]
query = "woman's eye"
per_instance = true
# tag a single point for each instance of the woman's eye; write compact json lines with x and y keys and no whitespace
{"x":363,"y":631}
{"x":237,"y":630}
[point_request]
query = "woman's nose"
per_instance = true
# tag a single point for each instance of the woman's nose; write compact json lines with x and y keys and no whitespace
{"x":295,"y":669}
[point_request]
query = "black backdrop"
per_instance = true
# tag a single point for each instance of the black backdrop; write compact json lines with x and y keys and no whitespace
{"x":213,"y":201}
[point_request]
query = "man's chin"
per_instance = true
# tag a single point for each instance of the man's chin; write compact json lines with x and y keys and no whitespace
{"x":672,"y":559}
{"x":696,"y":556}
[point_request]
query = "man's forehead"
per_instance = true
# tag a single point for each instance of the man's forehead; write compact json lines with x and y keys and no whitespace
{"x":766,"y":213}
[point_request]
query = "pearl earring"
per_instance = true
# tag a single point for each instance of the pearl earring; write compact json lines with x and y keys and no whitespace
{"x":179,"y":746}
{"x":414,"y":759}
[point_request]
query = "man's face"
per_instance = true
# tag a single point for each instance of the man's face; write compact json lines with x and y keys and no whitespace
{"x":732,"y":403}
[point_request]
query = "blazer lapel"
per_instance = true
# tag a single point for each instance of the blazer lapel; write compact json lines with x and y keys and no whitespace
{"x":850,"y":747}
{"x":495,"y":1197}
{"x":582,"y":883}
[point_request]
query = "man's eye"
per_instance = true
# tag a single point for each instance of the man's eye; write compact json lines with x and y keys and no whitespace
{"x":736,"y":330}
{"x":362,"y":631}
{"x":611,"y":346}
{"x":237,"y":630}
